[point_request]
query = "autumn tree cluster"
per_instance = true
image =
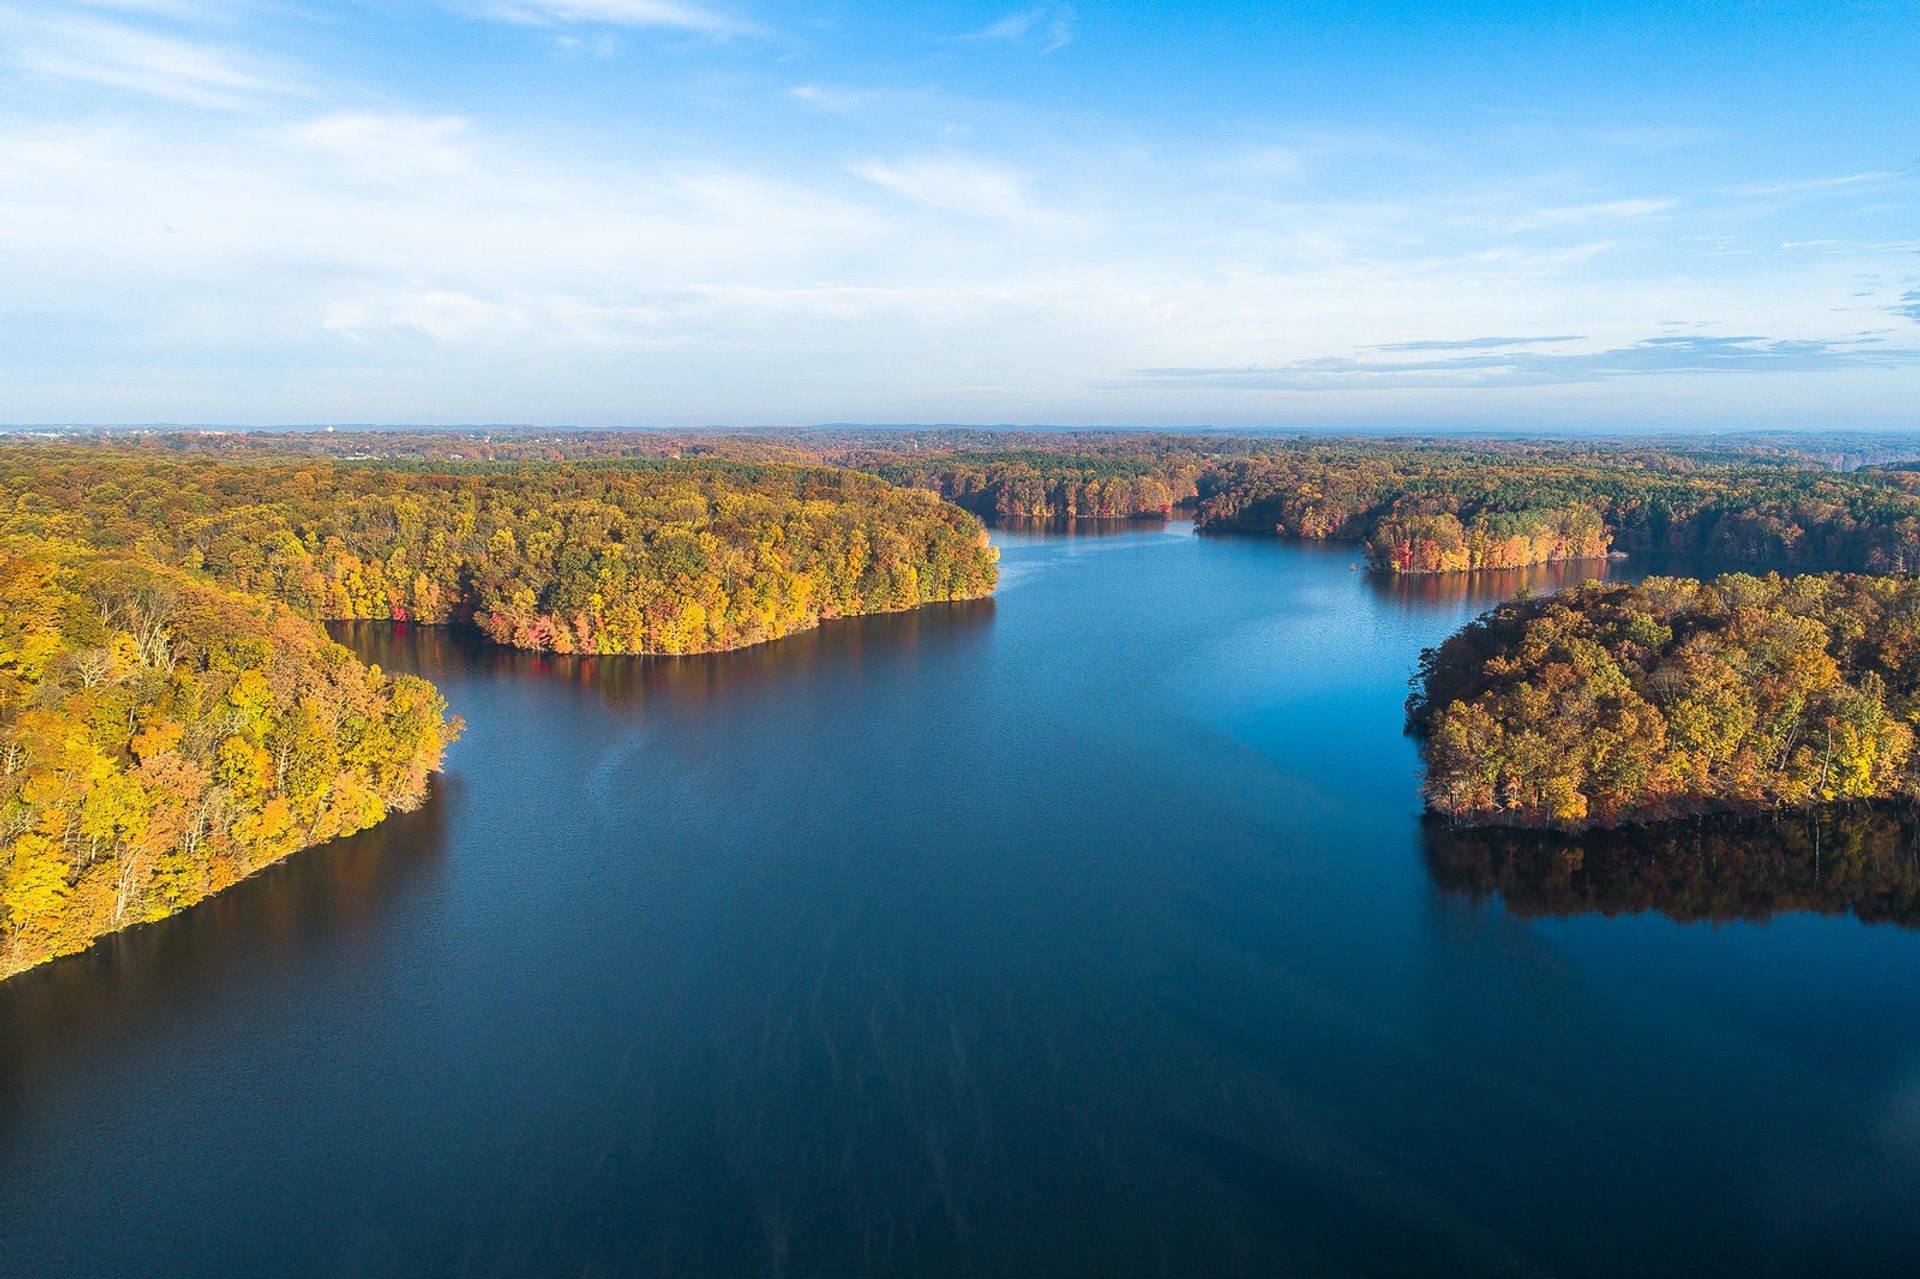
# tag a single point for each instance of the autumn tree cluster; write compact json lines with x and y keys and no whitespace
{"x":162,"y":737}
{"x":1418,"y":504}
{"x":1428,"y":506}
{"x":172,"y":718}
{"x":662,"y":556}
{"x":1610,"y":703}
{"x":1473,"y":507}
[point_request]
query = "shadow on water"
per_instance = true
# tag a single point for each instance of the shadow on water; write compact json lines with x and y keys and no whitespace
{"x":333,"y":898}
{"x":1414,"y":593}
{"x":337,"y":892}
{"x":1863,"y":862}
{"x":1075,"y":526}
{"x":447,"y":654}
{"x":1437,"y":592}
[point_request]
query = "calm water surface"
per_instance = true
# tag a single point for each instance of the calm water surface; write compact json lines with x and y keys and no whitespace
{"x":1085,"y":931}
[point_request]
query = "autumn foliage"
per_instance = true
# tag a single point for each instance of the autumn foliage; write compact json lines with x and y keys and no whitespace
{"x":1610,"y":703}
{"x":632,"y":557}
{"x":162,"y":737}
{"x":1437,"y":506}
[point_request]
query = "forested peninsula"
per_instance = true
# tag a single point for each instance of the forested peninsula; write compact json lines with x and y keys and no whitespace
{"x":172,"y":718}
{"x":1608,"y":703}
{"x":161,"y":737}
{"x":651,"y":556}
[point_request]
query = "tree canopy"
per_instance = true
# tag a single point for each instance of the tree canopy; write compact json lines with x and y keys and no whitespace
{"x":1610,"y":703}
{"x":162,"y":737}
{"x":656,"y":556}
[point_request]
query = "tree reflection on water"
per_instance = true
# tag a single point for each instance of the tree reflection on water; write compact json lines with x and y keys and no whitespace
{"x":1861,"y":861}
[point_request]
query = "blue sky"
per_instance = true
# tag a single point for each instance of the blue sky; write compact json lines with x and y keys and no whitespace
{"x":670,"y":212}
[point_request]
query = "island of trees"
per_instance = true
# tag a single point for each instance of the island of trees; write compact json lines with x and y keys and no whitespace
{"x":1673,"y":698}
{"x":162,"y":737}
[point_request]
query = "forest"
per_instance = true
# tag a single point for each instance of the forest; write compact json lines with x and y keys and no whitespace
{"x":172,"y":717}
{"x":1603,"y":706}
{"x":162,"y":737}
{"x":1607,"y":703}
{"x":650,"y":556}
{"x":1415,"y":504}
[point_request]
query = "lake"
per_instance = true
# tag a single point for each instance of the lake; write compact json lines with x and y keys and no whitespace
{"x":1088,"y":930}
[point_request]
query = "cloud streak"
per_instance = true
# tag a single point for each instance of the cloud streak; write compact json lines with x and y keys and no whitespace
{"x":115,"y":55}
{"x":1046,"y":28}
{"x":1653,"y":356}
{"x":969,"y":188}
{"x":624,"y":13}
{"x":1586,"y":214}
{"x":1475,"y":344}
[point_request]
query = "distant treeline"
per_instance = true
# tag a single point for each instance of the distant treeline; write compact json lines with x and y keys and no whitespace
{"x":162,"y":737}
{"x":1609,"y":703}
{"x":619,"y":557}
{"x":1417,"y":504}
{"x":1422,"y":507}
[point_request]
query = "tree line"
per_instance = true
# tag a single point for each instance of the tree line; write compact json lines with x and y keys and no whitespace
{"x":1425,"y":506}
{"x":651,"y":556}
{"x":1610,"y":703}
{"x":172,"y":718}
{"x":162,"y":737}
{"x":1416,"y":504}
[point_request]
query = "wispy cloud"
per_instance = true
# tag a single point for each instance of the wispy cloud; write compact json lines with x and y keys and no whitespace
{"x":840,"y":100}
{"x":1605,"y":211}
{"x":627,"y":13}
{"x":970,"y":188}
{"x":826,"y":221}
{"x":391,"y":146}
{"x":1045,"y":27}
{"x":1819,"y":185}
{"x":119,"y":56}
{"x":440,"y":314}
{"x":178,"y":9}
{"x":1661,"y":355}
{"x":1475,"y":344}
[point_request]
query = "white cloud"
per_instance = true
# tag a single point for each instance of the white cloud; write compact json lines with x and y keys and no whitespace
{"x":177,"y":9}
{"x":1046,"y":27}
{"x":966,"y":187}
{"x":117,"y":56}
{"x":438,"y":313}
{"x":392,"y":146}
{"x":630,"y":13}
{"x":364,"y":251}
{"x":1820,"y":185}
{"x":1606,"y":211}
{"x":839,"y":101}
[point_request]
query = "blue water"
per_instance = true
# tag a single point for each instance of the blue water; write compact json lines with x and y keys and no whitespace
{"x":1088,"y":930}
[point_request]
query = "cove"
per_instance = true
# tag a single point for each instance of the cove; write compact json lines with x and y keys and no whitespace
{"x":1090,"y":929}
